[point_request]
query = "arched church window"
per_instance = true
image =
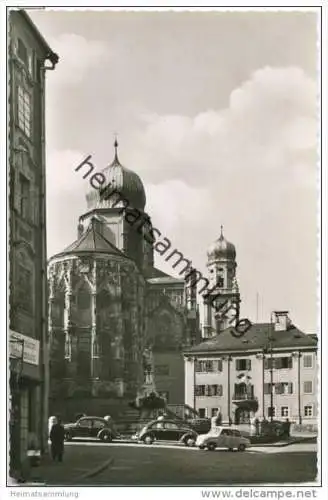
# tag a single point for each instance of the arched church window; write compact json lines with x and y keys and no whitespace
{"x":67,"y":348}
{"x":95,"y":348}
{"x":103,"y":298}
{"x":83,"y":297}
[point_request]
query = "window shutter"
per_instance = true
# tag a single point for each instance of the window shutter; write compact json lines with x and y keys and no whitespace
{"x":266,"y":363}
{"x":290,"y":388}
{"x":290,"y":362}
{"x":197,"y":366}
{"x":248,"y":364}
{"x":219,"y":365}
{"x":220,"y":390}
{"x":237,"y":364}
{"x":279,"y":388}
{"x":266,"y":388}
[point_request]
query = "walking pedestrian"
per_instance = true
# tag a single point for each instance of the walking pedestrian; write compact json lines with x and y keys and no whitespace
{"x":57,"y":437}
{"x":287,"y":427}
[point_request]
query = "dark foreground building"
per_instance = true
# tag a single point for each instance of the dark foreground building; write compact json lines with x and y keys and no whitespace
{"x":29,"y":56}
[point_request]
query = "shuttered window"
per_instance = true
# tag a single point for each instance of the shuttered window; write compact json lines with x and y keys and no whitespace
{"x":307,"y":387}
{"x":243,"y":364}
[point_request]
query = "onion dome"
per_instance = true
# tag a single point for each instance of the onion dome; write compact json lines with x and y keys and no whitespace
{"x":221,"y":249}
{"x":126,"y":182}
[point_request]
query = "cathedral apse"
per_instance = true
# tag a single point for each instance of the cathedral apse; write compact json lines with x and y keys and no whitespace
{"x":107,"y":304}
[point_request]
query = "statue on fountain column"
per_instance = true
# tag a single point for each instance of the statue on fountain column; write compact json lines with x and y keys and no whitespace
{"x":148,"y":366}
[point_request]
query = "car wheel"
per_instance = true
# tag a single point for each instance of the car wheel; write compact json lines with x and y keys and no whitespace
{"x":201,"y":447}
{"x":106,"y":437}
{"x":190,"y":441}
{"x":148,"y":440}
{"x":241,"y":447}
{"x":230,"y":449}
{"x":211,"y":446}
{"x":68,"y":436}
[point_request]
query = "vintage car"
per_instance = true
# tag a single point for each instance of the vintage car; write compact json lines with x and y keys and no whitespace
{"x":223,"y":437}
{"x":91,"y":427}
{"x":166,"y":430}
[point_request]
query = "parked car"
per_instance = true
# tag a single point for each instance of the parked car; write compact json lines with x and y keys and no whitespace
{"x":167,"y":430}
{"x":200,"y":425}
{"x":90,"y":427}
{"x":223,"y":437}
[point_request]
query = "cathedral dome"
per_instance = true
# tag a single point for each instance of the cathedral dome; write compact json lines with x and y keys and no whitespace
{"x":125,"y":181}
{"x":221,"y":249}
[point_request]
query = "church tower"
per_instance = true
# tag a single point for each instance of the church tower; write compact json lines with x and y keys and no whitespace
{"x":221,"y":302}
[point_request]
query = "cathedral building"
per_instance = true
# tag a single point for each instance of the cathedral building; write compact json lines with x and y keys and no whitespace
{"x":109,"y":305}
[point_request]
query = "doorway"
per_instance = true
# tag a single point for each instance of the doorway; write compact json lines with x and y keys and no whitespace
{"x":242,"y":416}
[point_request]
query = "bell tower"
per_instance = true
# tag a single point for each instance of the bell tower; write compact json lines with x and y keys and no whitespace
{"x":221,"y":302}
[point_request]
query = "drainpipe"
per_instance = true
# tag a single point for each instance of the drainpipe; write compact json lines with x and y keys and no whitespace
{"x":53,"y":58}
{"x":229,"y":395}
{"x":194,"y":383}
{"x":299,"y":388}
{"x":263,"y":383}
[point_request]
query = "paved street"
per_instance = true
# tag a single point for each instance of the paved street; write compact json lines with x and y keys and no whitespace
{"x":170,"y":465}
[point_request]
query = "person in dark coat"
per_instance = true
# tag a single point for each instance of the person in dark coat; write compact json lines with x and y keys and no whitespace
{"x":287,"y":425}
{"x":57,"y":437}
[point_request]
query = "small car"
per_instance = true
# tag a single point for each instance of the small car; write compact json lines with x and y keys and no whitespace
{"x":90,"y":427}
{"x":223,"y":437}
{"x":167,"y":430}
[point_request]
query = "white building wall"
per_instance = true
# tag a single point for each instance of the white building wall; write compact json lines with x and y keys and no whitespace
{"x":189,"y":381}
{"x":288,"y":375}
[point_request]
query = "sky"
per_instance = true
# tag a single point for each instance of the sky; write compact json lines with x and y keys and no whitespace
{"x":217,"y":113}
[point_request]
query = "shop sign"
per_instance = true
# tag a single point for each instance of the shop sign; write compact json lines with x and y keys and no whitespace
{"x":21,"y":346}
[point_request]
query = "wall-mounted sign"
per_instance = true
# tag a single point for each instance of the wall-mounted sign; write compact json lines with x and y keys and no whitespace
{"x":23,"y":346}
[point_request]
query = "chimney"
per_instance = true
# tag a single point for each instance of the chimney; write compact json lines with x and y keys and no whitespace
{"x":281,"y":321}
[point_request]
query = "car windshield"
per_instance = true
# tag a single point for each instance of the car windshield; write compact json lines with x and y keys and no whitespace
{"x":215,"y":432}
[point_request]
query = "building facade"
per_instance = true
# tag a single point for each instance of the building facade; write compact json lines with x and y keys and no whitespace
{"x":109,"y":305}
{"x":268,"y":372}
{"x":29,"y":56}
{"x":235,"y":376}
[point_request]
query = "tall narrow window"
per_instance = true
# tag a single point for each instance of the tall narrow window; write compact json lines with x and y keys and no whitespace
{"x":24,"y":111}
{"x":24,"y":290}
{"x":22,"y":51}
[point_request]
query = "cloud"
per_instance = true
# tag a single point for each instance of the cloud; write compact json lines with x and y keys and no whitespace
{"x":251,"y":167}
{"x":270,"y":120}
{"x":77,"y":56}
{"x":65,"y":197}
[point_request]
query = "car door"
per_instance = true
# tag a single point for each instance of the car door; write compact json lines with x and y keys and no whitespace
{"x":171,"y":431}
{"x":97,"y":425}
{"x":83,"y":427}
{"x":223,"y":440}
{"x":236,"y":437}
{"x":158,"y":431}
